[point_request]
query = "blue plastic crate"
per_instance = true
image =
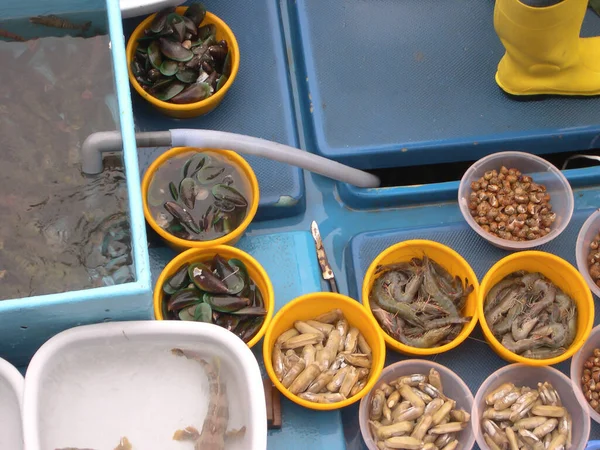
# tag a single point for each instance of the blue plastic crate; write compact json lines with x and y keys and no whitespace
{"x":27,"y":323}
{"x":390,"y":84}
{"x":389,"y":197}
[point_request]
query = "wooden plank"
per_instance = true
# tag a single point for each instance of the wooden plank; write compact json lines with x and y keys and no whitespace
{"x":268,"y":388}
{"x":277,"y":418}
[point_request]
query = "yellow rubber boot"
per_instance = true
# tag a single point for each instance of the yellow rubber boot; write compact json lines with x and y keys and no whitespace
{"x":544,"y":53}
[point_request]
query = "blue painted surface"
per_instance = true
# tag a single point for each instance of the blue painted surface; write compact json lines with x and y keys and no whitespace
{"x":27,"y":323}
{"x":305,"y":89}
{"x":258,"y":104}
{"x":473,"y":360}
{"x":384,"y":88}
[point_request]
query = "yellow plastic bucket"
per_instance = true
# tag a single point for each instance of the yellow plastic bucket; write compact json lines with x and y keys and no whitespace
{"x":255,"y":271}
{"x":192,"y":109}
{"x":229,"y":239}
{"x":310,"y":306}
{"x":563,"y":275}
{"x":446,"y":257}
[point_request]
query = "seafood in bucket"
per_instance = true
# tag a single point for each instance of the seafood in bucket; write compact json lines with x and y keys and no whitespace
{"x":511,"y":206}
{"x":214,"y":428}
{"x":531,"y":316}
{"x":419,"y":303}
{"x":594,"y":259}
{"x":323,"y":360}
{"x":522,"y":418}
{"x":218,"y":291}
{"x":590,"y":380}
{"x":178,"y":60}
{"x":412,"y":412}
{"x":199,"y":196}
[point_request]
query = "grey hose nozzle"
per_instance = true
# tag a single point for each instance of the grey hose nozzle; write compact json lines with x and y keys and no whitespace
{"x":110,"y":141}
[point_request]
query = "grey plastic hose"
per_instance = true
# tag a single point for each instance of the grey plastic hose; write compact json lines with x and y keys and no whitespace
{"x":109,"y":141}
{"x":277,"y":152}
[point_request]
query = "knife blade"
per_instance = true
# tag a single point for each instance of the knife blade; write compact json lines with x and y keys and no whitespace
{"x":326,"y":271}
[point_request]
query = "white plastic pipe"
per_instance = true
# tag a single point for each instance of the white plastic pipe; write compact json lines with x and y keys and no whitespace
{"x":277,"y":152}
{"x":110,"y":141}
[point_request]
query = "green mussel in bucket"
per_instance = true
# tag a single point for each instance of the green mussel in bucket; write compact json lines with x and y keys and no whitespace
{"x":178,"y":60}
{"x":199,"y":196}
{"x":218,"y":291}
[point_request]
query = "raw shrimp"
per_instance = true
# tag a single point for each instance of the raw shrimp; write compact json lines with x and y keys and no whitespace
{"x":214,"y":429}
{"x":418,"y":302}
{"x":433,"y":288}
{"x":427,"y":340}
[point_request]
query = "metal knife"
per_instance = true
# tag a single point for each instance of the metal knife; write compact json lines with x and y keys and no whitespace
{"x":326,"y":271}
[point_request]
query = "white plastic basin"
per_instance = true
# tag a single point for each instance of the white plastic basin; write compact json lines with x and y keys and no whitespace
{"x":89,"y":386}
{"x":11,"y":396}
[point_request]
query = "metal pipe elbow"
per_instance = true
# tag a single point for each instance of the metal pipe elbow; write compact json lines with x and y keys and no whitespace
{"x":94,"y":146}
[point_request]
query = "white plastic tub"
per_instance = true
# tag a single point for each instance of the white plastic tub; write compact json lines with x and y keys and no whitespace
{"x":90,"y":386}
{"x":454,"y":387}
{"x":11,"y":396}
{"x":542,"y":172}
{"x":524,"y":375}
{"x":589,"y":230}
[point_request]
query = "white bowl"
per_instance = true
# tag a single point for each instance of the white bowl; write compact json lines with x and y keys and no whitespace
{"x":542,"y":172}
{"x":89,"y":386}
{"x":11,"y":397}
{"x":524,"y":375}
{"x":454,"y":387}
{"x":589,"y":229}
{"x":593,"y":341}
